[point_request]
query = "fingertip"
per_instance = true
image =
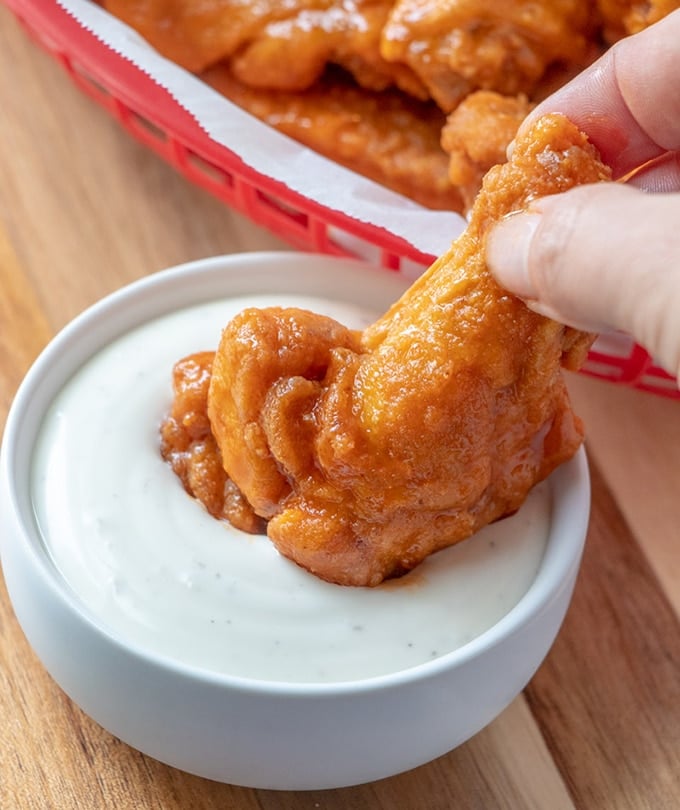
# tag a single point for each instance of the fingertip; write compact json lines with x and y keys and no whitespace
{"x":508,"y":245}
{"x":555,"y":314}
{"x":509,"y":259}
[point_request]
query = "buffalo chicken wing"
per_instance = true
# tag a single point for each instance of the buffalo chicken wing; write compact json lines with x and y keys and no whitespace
{"x":367,"y":451}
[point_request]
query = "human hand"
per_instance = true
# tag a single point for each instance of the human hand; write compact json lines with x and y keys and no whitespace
{"x":607,"y":256}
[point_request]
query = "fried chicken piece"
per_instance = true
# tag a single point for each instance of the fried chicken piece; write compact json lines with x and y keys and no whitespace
{"x":386,"y":136}
{"x":476,"y":136}
{"x":459,"y":46}
{"x":188,"y":445}
{"x":623,"y":17}
{"x":478,"y":132}
{"x":280,"y":45}
{"x":368,"y":452}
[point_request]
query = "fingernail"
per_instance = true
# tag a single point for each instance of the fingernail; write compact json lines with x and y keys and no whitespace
{"x":507,"y":252}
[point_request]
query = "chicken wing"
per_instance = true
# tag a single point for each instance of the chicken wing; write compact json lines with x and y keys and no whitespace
{"x":623,"y":17}
{"x":476,"y":136}
{"x":387,"y":137}
{"x":458,"y":46}
{"x":281,"y":45}
{"x":366,"y":452}
{"x":188,"y":445}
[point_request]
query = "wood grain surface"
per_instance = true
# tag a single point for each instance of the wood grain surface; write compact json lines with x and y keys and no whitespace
{"x":84,"y":210}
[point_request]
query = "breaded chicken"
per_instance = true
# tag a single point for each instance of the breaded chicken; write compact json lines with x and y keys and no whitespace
{"x":188,"y":445}
{"x":276,"y":45}
{"x":623,"y":17}
{"x":458,"y":46}
{"x":387,"y":137}
{"x":366,"y":452}
{"x":476,"y":136}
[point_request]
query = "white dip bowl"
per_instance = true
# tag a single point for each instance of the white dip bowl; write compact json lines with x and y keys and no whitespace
{"x":311,"y":694}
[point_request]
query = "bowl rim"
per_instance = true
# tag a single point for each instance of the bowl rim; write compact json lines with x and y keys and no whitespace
{"x":569,"y":485}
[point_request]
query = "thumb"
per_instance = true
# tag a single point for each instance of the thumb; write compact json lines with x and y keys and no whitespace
{"x":598,"y":257}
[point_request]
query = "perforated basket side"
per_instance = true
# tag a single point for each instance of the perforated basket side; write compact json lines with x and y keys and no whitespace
{"x":617,"y":358}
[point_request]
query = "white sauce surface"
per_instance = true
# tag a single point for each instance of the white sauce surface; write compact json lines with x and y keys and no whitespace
{"x":157,"y":570}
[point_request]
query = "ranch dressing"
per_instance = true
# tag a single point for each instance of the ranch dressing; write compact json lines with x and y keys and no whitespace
{"x":156,"y":570}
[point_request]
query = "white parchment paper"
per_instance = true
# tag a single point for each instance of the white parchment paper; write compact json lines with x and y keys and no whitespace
{"x":271,"y":153}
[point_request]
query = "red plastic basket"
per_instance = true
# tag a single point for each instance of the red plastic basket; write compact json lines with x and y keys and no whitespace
{"x":152,"y":115}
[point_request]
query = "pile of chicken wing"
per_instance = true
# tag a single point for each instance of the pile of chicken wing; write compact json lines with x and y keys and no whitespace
{"x":422,"y":96}
{"x":364,"y":452}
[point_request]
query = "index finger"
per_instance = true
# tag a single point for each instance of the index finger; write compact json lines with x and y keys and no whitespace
{"x":628,"y":101}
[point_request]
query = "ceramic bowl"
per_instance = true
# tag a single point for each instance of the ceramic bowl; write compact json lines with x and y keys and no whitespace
{"x":243,"y":730}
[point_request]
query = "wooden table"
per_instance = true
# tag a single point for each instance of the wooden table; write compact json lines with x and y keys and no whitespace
{"x":83,"y":210}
